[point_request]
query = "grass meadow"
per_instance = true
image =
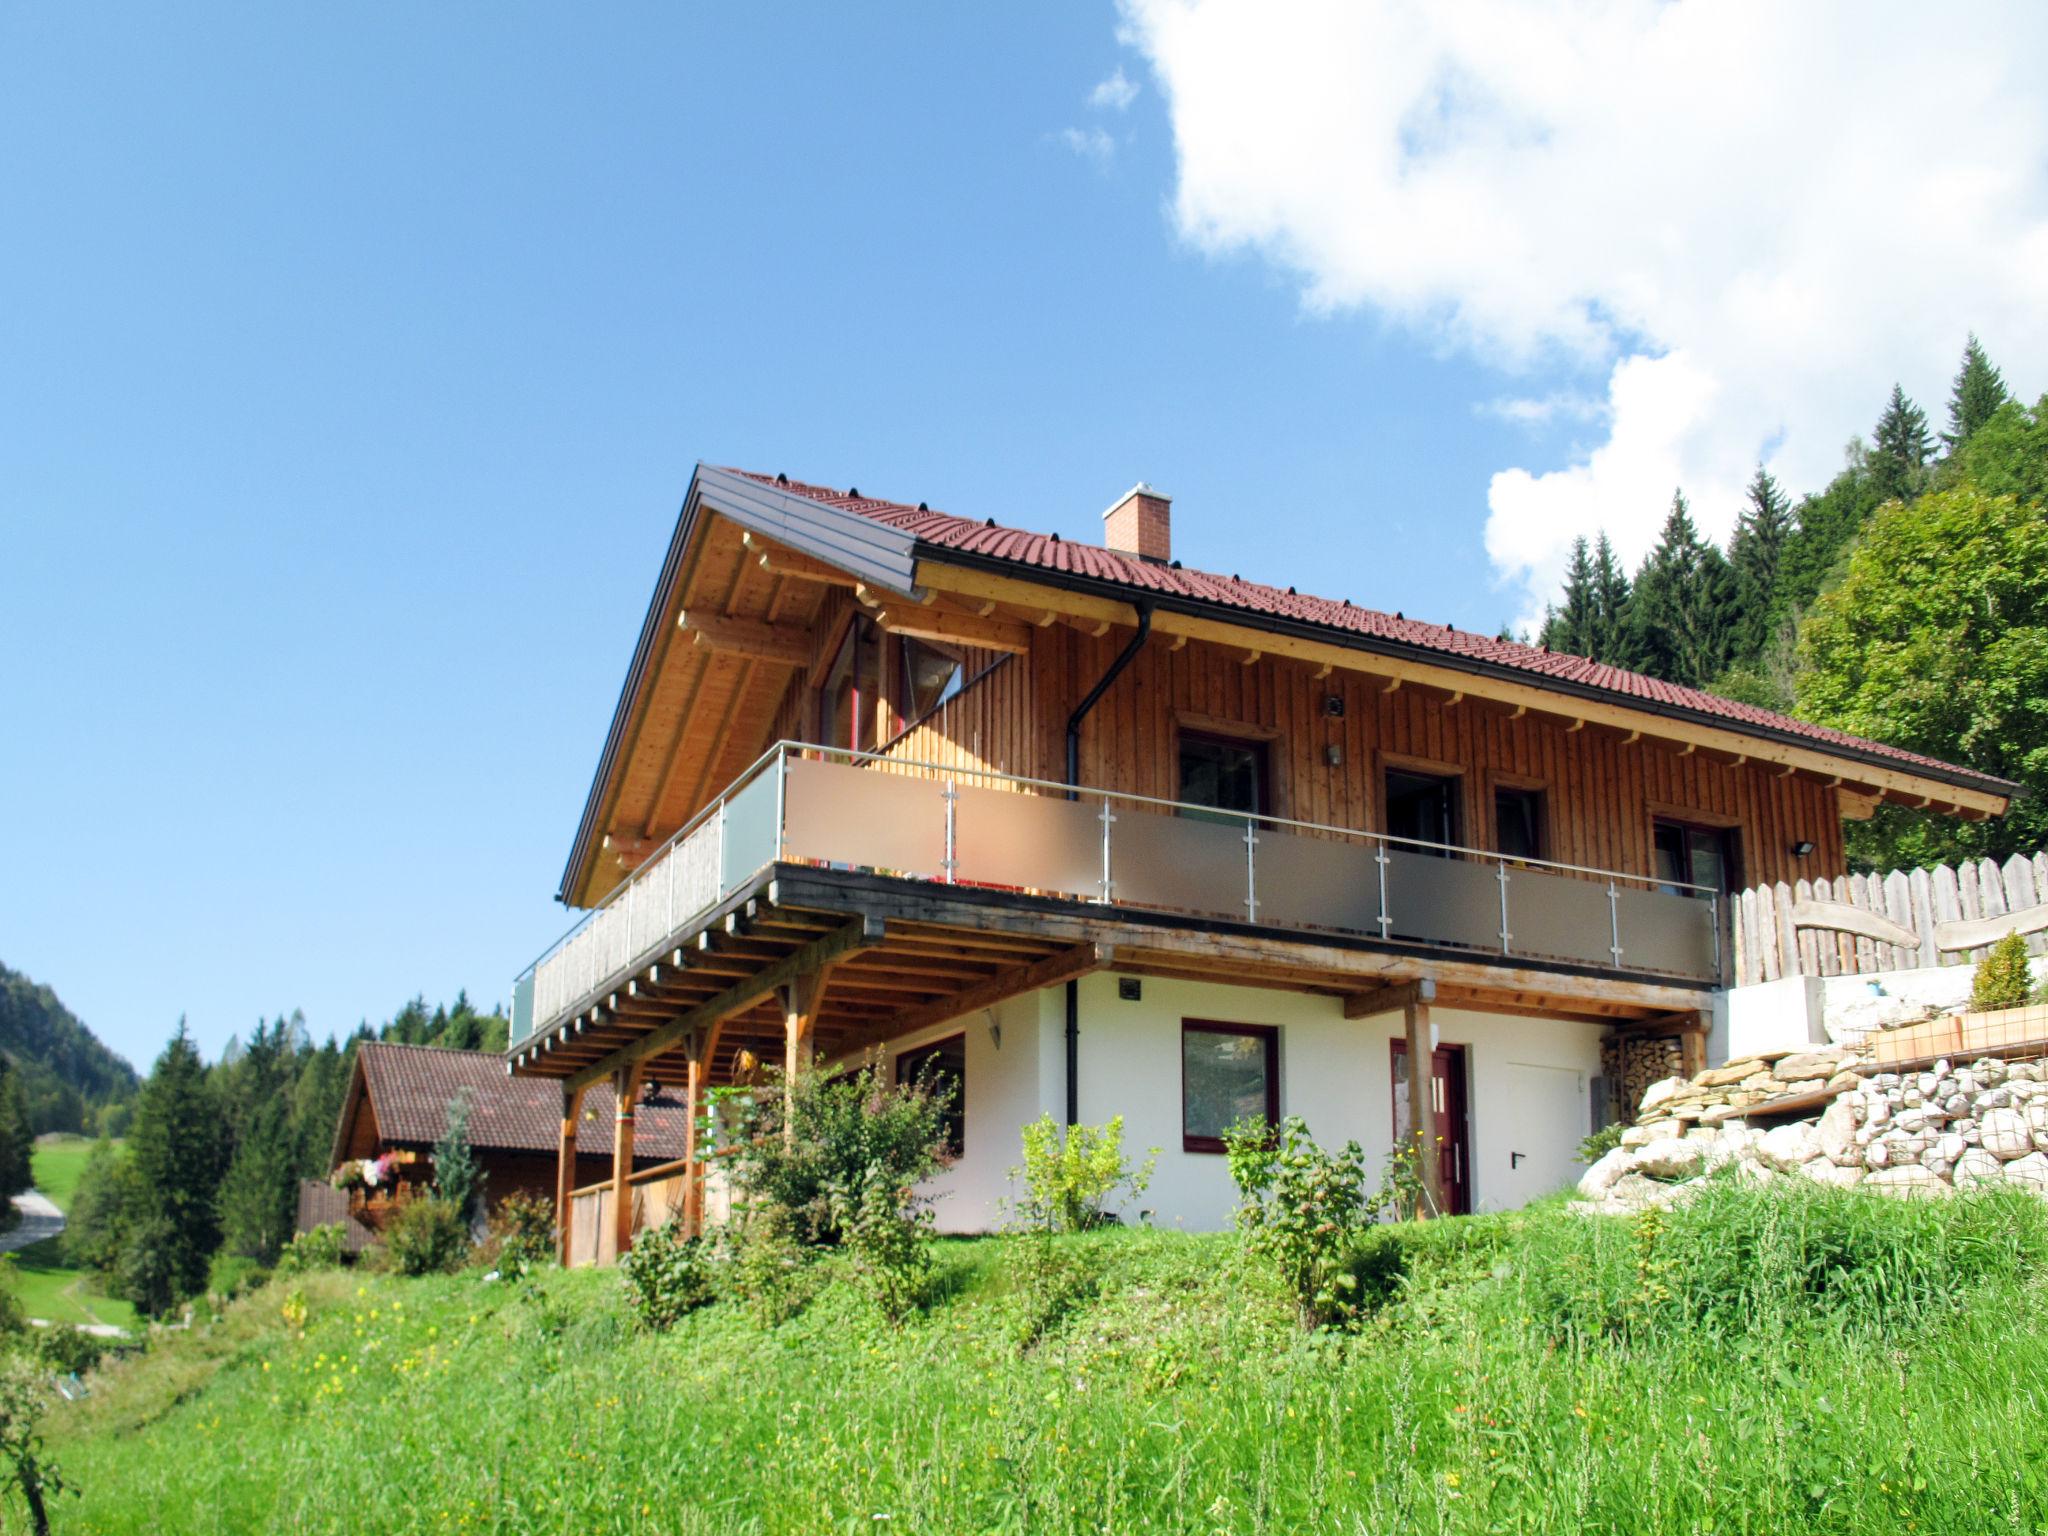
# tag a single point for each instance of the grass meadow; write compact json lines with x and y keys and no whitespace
{"x":1811,"y":1360}
{"x":48,"y":1287}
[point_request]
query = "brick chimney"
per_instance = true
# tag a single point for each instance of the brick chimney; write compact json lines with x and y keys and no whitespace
{"x":1141,"y":524}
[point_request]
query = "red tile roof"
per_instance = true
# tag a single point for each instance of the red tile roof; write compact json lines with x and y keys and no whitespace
{"x":1048,"y":552}
{"x":411,"y":1087}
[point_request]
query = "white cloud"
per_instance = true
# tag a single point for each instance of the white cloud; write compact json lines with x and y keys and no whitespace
{"x":1542,"y":410}
{"x":1091,"y":144}
{"x":1750,"y":218}
{"x":1116,"y":93}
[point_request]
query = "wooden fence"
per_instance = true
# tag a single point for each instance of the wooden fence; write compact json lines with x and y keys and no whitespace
{"x":1863,"y":924}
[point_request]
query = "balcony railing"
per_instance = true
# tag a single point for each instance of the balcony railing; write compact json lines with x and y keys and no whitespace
{"x":954,"y":826}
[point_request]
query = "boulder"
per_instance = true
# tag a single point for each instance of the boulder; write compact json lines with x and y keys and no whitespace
{"x":1821,"y":1171}
{"x":1787,"y":1148}
{"x":1669,"y":1158}
{"x":1909,"y":1181}
{"x":1837,"y":1132}
{"x":1976,"y":1166}
{"x":1662,"y":1090}
{"x":1804,"y":1064}
{"x":1601,"y":1177}
{"x":1877,"y":1155}
{"x":1994,"y":1098}
{"x":2006,"y":1133}
{"x":1731,"y":1074}
{"x":2031,"y":1170}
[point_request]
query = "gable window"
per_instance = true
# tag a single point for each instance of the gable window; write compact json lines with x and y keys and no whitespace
{"x":846,"y":699}
{"x":1518,"y":822}
{"x":1695,"y":855}
{"x":943,"y":1064}
{"x":1222,"y":773}
{"x":930,"y":677}
{"x":1227,"y":1071}
{"x":1424,"y":807}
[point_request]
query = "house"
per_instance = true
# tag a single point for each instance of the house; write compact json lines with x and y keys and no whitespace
{"x":1106,"y":834}
{"x":397,"y":1106}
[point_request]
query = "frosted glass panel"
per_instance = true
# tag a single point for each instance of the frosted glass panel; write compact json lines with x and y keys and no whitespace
{"x":1443,"y":901}
{"x":1178,"y":863}
{"x":1318,"y":882}
{"x":1030,"y":842}
{"x":1558,"y":918}
{"x":837,"y":814}
{"x":1663,"y":932}
{"x":748,"y":841}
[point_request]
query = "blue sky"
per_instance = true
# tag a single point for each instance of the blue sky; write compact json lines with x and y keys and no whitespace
{"x":353,"y":362}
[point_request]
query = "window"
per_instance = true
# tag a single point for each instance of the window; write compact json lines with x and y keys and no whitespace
{"x":945,"y":1063}
{"x":930,"y":677}
{"x":1695,"y":855}
{"x":1422,"y":806}
{"x":846,"y":698}
{"x":1222,"y":772}
{"x":1518,"y":822}
{"x":1227,"y":1071}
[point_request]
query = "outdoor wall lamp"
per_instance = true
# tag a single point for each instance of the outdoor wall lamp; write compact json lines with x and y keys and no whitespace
{"x":1802,"y":848}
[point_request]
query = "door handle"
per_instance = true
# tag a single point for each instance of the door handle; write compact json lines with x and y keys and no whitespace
{"x":1515,"y":1159}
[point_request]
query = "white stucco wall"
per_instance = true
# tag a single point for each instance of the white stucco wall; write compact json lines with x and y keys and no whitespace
{"x":1528,"y":1080}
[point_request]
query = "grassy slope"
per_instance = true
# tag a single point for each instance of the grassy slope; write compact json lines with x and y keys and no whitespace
{"x":1178,"y":1397}
{"x":48,"y":1287}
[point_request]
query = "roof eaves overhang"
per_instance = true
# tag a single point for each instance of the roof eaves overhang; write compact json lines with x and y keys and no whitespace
{"x":873,"y":552}
{"x":1471,"y":666}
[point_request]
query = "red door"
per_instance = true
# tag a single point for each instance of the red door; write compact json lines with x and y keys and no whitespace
{"x":1453,"y":1133}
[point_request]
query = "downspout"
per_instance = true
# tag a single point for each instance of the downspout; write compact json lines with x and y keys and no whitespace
{"x":1124,"y":659}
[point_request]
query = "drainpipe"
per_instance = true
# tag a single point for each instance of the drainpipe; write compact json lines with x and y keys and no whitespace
{"x":1124,"y":659}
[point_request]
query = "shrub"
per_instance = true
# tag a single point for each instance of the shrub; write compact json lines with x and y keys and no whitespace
{"x":148,"y":1269}
{"x":2002,"y":979}
{"x":829,"y":1135}
{"x":523,"y":1232}
{"x":321,"y":1248}
{"x":23,"y":1402}
{"x":457,"y":1178}
{"x":1051,"y":1280}
{"x":1302,"y":1210}
{"x":768,"y":1270}
{"x":13,"y":1320}
{"x":666,"y":1276}
{"x":426,"y":1237}
{"x":1069,"y":1179}
{"x":1600,"y":1143}
{"x":887,"y":1234}
{"x":69,"y":1350}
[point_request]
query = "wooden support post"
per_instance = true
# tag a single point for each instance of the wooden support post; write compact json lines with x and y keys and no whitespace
{"x":1692,"y":1046}
{"x":801,"y":1000}
{"x":1422,"y":1097}
{"x":625,"y":1093}
{"x":693,"y":1172}
{"x":565,"y":1168}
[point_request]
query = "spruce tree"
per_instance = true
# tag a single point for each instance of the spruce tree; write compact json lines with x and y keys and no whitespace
{"x":1979,"y":391}
{"x":259,"y":1195}
{"x":457,"y":1178}
{"x":1680,"y":611}
{"x":176,"y":1145}
{"x":1755,"y":553}
{"x":1609,"y":635}
{"x":1898,"y":453}
{"x":17,"y":1143}
{"x":1570,"y":628}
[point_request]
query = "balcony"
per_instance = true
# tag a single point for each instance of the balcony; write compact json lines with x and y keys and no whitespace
{"x":974,"y":829}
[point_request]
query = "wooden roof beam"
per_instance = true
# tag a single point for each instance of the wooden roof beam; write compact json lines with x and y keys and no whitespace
{"x":951,"y":625}
{"x":778,"y":560}
{"x":782,"y":644}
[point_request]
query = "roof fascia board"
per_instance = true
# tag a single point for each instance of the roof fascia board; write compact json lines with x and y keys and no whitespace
{"x":874,"y":552}
{"x":1394,"y":650}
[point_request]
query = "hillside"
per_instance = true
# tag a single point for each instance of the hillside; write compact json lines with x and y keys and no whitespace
{"x":68,"y":1074}
{"x":1797,"y":1360}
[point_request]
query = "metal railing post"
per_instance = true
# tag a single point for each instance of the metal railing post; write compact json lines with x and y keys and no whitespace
{"x":1251,"y":872}
{"x":1714,"y":919}
{"x":781,"y":802}
{"x":1614,"y":923}
{"x":718,"y":884}
{"x":1379,"y":857}
{"x":1108,"y":885}
{"x":950,"y":863}
{"x":1505,"y":937}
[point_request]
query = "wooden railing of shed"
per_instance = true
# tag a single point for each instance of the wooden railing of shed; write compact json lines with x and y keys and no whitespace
{"x":1905,"y":920}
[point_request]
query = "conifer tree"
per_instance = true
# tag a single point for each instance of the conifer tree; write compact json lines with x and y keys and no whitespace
{"x":1898,"y":453}
{"x":457,"y":1178}
{"x":259,"y":1195}
{"x":176,"y":1146}
{"x":17,"y":1142}
{"x":1755,"y":553}
{"x":1680,"y":609}
{"x":1979,"y":391}
{"x":1570,"y":628}
{"x":1609,"y":635}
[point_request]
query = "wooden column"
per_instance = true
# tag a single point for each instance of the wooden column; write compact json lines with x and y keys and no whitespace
{"x":801,"y":1000}
{"x":625,"y":1091}
{"x":565,"y":1169}
{"x":693,"y":1173}
{"x":1692,"y":1046}
{"x":1422,"y":1096}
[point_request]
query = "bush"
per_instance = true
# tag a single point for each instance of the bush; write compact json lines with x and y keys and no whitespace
{"x":148,"y":1270}
{"x":2002,"y":979}
{"x":321,"y":1248}
{"x":666,"y":1276}
{"x":1069,"y":1179}
{"x":887,"y":1234}
{"x":794,"y":1159}
{"x":426,"y":1236}
{"x":768,"y":1270}
{"x":457,"y":1178}
{"x":1051,"y":1279}
{"x":523,"y":1232}
{"x":1600,"y":1143}
{"x":232,"y":1274}
{"x":69,"y":1350}
{"x":1303,"y":1211}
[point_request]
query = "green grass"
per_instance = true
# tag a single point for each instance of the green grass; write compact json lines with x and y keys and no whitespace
{"x":48,"y":1287}
{"x":1825,"y":1362}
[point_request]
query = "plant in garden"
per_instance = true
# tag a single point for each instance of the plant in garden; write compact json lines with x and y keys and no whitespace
{"x":1050,"y":1280}
{"x":1600,"y":1143}
{"x":1302,"y":1210}
{"x":66,"y":1348}
{"x":666,"y":1276}
{"x":426,"y":1237}
{"x":2002,"y":979}
{"x":457,"y":1178}
{"x":886,"y":1230}
{"x":523,"y":1229}
{"x":1070,"y":1178}
{"x":321,"y":1248}
{"x":23,"y":1402}
{"x":792,"y":1156}
{"x":768,"y":1270}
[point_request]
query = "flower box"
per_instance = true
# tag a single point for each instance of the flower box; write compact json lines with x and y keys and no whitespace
{"x":2006,"y":1031}
{"x":1916,"y":1042}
